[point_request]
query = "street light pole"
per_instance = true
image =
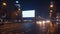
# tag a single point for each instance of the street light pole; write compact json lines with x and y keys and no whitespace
{"x":3,"y":15}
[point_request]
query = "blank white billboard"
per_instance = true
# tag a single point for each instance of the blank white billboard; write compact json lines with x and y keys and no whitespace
{"x":28,"y":13}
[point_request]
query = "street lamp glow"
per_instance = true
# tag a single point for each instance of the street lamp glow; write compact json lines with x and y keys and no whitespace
{"x":51,"y":6}
{"x":4,"y":4}
{"x":51,"y":11}
{"x":17,"y":1}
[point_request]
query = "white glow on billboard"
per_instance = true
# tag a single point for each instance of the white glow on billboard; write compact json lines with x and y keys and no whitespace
{"x":28,"y":13}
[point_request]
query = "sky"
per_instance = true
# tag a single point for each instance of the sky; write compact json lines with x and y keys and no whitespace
{"x":40,"y":6}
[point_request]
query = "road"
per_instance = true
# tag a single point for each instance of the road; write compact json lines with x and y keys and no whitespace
{"x":17,"y":28}
{"x":22,"y":28}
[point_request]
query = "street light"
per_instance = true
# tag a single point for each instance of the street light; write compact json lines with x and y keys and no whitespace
{"x":4,"y":4}
{"x":17,"y":1}
{"x":51,"y":6}
{"x":51,"y":11}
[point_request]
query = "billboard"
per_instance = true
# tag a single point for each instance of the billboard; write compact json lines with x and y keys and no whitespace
{"x":28,"y":13}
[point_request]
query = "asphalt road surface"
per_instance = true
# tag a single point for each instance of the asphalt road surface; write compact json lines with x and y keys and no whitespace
{"x":17,"y":28}
{"x":22,"y":28}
